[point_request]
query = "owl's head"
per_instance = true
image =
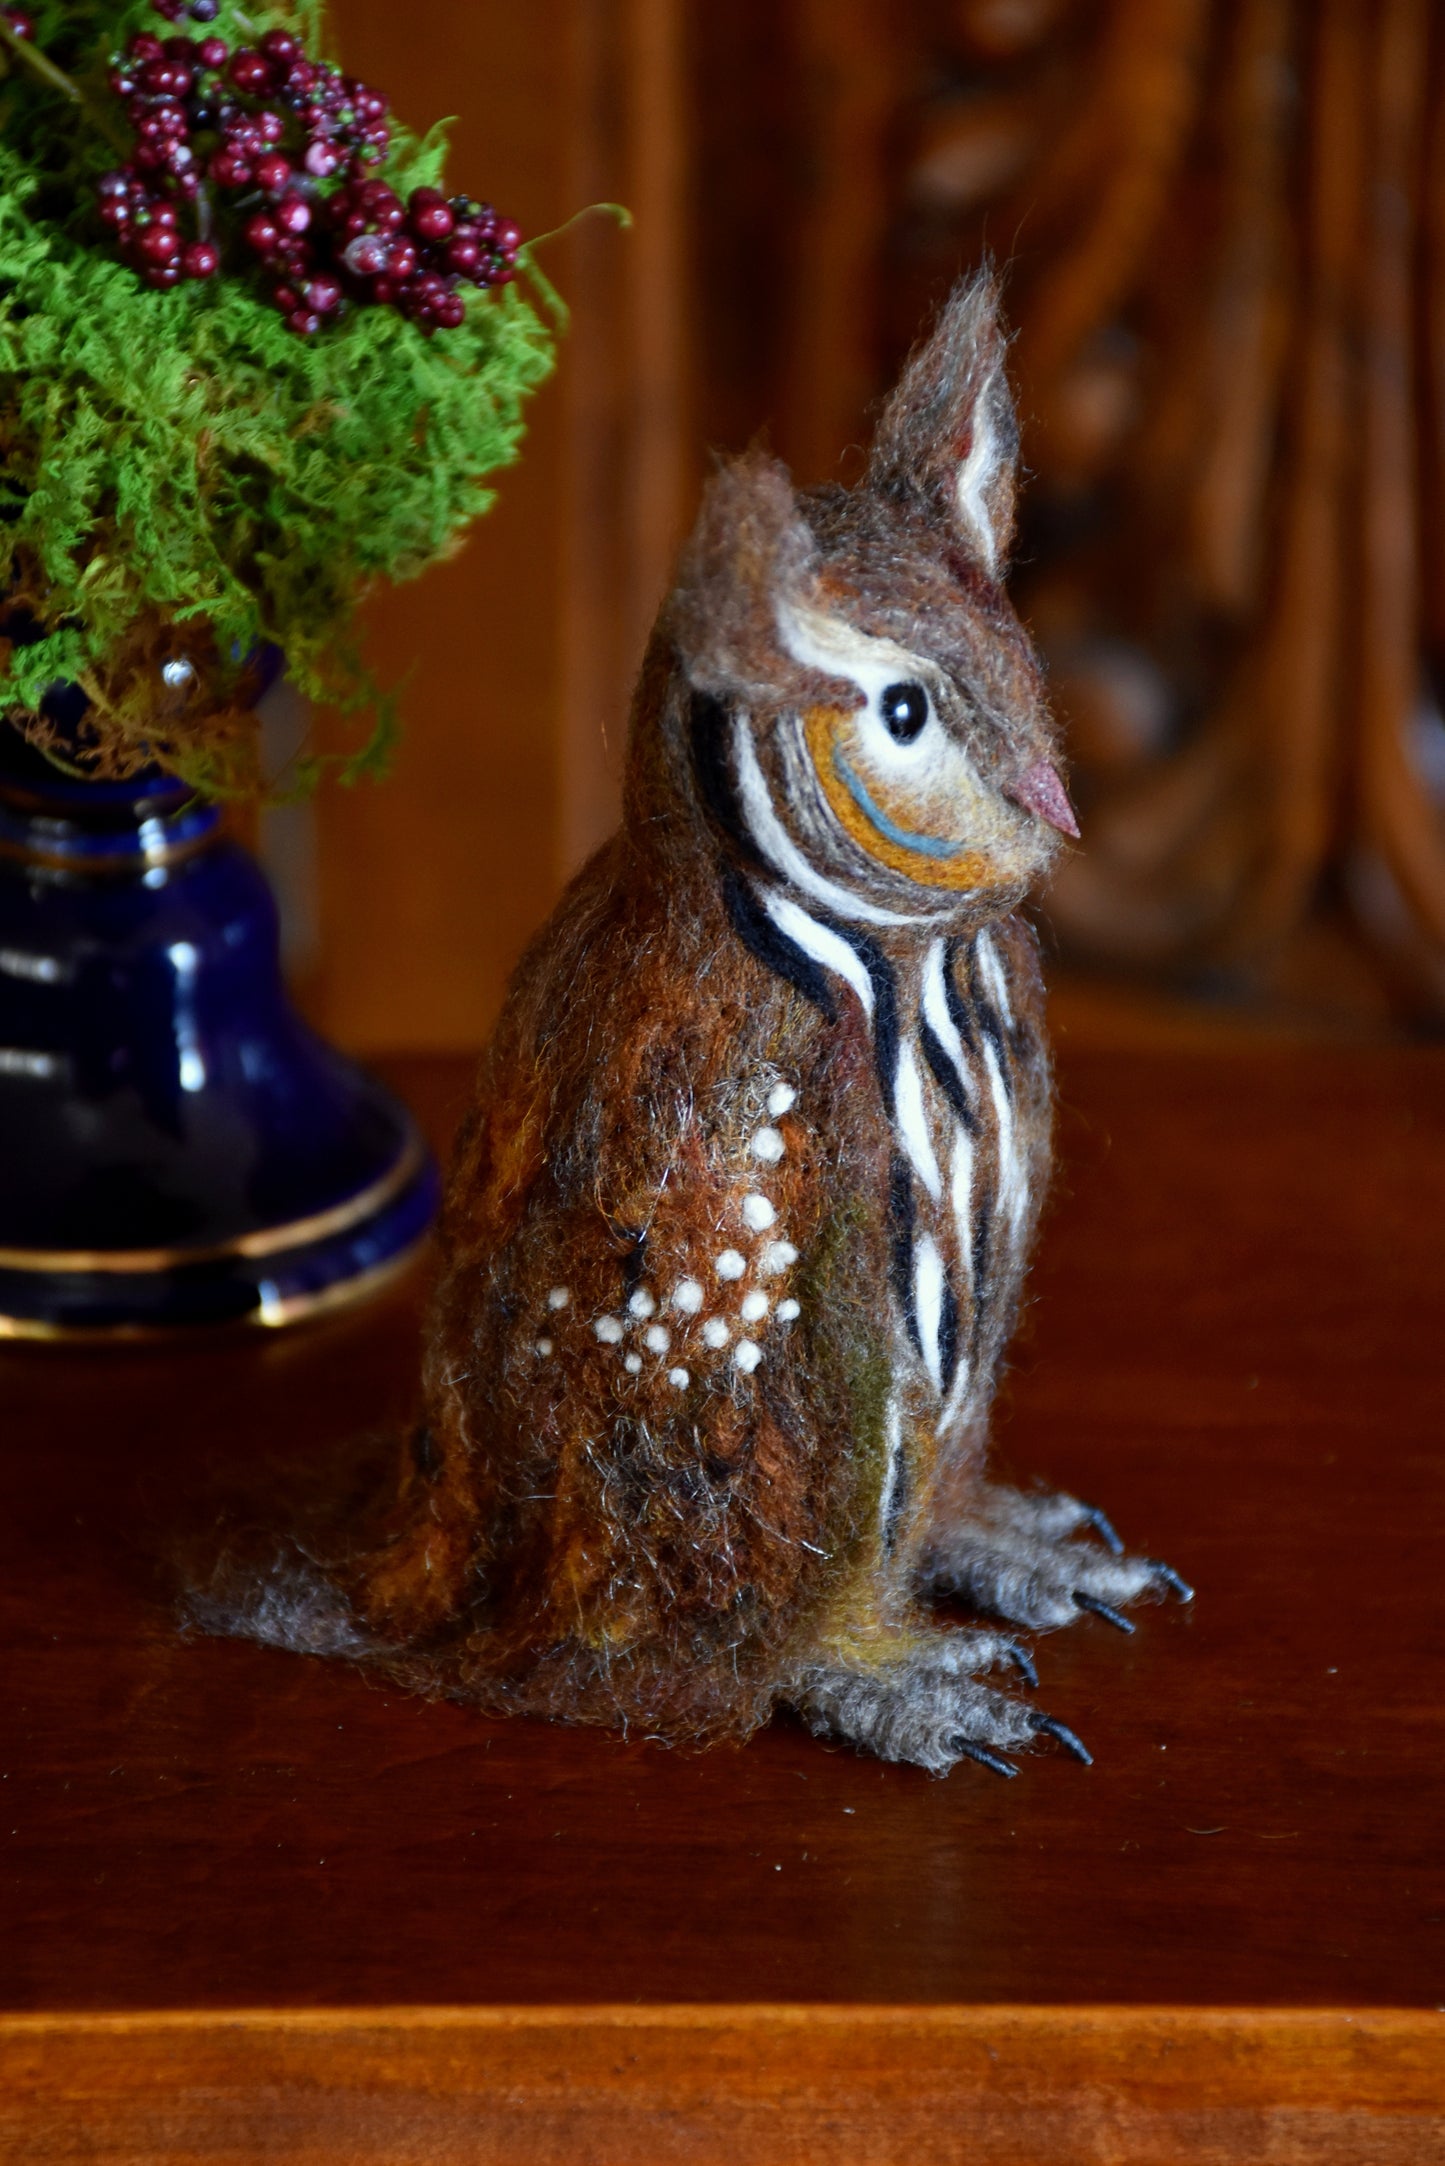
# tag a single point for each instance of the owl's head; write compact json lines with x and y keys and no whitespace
{"x":863,"y":712}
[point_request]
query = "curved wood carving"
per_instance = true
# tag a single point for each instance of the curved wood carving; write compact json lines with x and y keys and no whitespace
{"x":1224,"y":224}
{"x":1223,"y":228}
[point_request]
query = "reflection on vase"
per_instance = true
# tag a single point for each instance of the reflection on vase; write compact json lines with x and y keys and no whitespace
{"x":176,"y":1146}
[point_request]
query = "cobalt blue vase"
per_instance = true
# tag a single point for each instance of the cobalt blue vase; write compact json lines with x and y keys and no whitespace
{"x":176,"y":1147}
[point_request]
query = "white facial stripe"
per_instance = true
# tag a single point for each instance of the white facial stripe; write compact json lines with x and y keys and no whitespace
{"x":779,"y":848}
{"x":839,"y":649}
{"x":961,"y":1196}
{"x":913,"y":1121}
{"x":940,"y":1022}
{"x":1010,"y":1180}
{"x":975,"y":477}
{"x":994,"y":979}
{"x":893,"y":1447}
{"x":928,"y":1284}
{"x":822,"y":944}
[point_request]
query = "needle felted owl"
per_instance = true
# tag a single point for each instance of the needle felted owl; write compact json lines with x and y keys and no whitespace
{"x":738,"y":1218}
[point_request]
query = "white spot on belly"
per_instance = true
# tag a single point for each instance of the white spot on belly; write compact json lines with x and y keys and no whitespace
{"x":544,"y":1346}
{"x":781,"y":1099}
{"x":715,"y":1332}
{"x":754,"y":1308}
{"x":787,"y":1310}
{"x":678,"y":1378}
{"x":632,"y":1363}
{"x":747,"y":1356}
{"x":608,"y":1329}
{"x":758,"y":1214}
{"x":767,"y":1145}
{"x":641,"y":1303}
{"x":687,"y":1296}
{"x":730,"y":1265}
{"x":657,"y":1338}
{"x":558,"y":1298}
{"x":777,"y":1257}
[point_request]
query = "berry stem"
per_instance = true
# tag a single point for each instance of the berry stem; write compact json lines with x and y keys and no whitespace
{"x":618,"y":211}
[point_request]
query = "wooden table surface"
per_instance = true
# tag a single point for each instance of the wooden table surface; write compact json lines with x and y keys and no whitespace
{"x":1234,"y":1344}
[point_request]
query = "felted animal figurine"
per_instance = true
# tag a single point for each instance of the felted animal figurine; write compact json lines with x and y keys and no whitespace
{"x":739,"y":1215}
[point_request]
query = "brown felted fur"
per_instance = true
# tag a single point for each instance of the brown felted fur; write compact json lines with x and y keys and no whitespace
{"x":738,"y":1217}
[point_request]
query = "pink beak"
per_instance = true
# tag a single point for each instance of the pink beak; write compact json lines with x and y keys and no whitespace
{"x":1040,"y":791}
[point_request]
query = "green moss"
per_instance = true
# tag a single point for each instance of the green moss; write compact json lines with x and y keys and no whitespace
{"x":182,"y":474}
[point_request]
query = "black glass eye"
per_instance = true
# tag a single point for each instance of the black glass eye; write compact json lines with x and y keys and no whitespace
{"x":904,"y":708}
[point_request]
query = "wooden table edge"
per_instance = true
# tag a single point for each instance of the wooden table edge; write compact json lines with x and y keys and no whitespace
{"x":605,"y":2084}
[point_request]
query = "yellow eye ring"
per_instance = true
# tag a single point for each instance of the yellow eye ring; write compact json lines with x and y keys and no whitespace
{"x":888,"y":833}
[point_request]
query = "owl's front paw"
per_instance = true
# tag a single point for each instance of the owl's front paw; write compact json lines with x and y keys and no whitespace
{"x":1019,"y":1556}
{"x":927,"y":1705}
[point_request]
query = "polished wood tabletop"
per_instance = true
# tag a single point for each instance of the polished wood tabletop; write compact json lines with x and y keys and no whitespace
{"x":1234,"y":1342}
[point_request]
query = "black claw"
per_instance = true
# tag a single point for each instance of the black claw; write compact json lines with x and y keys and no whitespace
{"x":1102,"y":1609}
{"x":1171,"y":1578}
{"x":1065,"y":1736}
{"x":1023,"y":1662}
{"x":984,"y":1759}
{"x":1104,"y":1528}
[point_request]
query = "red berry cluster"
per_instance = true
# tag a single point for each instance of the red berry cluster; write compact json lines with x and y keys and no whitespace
{"x":258,"y":133}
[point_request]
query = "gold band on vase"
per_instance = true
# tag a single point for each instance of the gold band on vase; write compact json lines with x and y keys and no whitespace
{"x":266,"y":1241}
{"x":265,"y":1315}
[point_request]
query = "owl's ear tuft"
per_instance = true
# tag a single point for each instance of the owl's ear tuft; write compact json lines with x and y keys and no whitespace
{"x":948,"y":435}
{"x":750,"y":551}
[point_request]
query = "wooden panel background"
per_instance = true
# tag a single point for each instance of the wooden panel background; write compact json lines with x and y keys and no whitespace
{"x":517,"y":655}
{"x":725,"y":2087}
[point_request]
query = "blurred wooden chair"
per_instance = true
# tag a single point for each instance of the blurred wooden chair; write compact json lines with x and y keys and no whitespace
{"x":1221,"y":226}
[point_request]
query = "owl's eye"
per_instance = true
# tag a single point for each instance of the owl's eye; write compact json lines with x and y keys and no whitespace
{"x":904,"y":708}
